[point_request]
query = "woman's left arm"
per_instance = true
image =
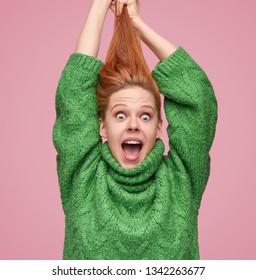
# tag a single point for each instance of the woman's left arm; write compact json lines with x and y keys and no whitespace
{"x":190,"y":105}
{"x":191,"y":112}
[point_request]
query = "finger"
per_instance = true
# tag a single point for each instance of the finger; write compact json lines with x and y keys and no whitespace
{"x":113,"y":8}
{"x":119,"y":7}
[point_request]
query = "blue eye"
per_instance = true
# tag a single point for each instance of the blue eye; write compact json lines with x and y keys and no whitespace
{"x":120,"y":116}
{"x":145,"y":117}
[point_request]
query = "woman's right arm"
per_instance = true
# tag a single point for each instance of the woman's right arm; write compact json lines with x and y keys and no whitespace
{"x":76,"y":129}
{"x":89,"y":39}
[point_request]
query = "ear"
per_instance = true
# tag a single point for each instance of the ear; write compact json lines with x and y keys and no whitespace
{"x":159,"y":129}
{"x":103,"y":132}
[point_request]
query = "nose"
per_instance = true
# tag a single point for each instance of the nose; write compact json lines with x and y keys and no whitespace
{"x":133,"y":125}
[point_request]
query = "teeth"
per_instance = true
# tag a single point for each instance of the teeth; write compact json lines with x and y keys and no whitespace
{"x":132,"y":142}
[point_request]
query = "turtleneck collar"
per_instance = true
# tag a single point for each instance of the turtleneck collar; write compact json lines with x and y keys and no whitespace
{"x":139,"y":174}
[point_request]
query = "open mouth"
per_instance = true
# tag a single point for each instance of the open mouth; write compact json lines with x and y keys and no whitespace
{"x":132,"y":149}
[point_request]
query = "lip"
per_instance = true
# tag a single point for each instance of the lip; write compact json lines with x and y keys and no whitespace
{"x":136,"y":139}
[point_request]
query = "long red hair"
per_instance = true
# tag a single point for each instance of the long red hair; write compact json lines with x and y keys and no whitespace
{"x":125,"y":65}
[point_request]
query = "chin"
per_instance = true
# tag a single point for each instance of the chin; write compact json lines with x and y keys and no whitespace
{"x":129,"y":165}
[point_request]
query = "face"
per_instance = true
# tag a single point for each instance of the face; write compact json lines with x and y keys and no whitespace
{"x":131,"y":125}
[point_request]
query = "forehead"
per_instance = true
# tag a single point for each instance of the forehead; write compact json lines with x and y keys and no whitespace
{"x":132,"y":95}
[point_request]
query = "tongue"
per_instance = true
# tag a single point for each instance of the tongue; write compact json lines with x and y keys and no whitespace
{"x":131,"y":150}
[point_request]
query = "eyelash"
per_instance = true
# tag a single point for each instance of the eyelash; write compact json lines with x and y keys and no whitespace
{"x":119,"y":113}
{"x":122,"y":113}
{"x":146,"y":114}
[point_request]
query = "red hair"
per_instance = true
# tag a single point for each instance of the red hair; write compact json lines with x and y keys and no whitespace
{"x":125,"y":65}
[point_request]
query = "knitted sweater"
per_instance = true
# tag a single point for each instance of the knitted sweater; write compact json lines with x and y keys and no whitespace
{"x":147,"y":212}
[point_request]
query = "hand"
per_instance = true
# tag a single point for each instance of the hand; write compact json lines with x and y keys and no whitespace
{"x":132,"y":6}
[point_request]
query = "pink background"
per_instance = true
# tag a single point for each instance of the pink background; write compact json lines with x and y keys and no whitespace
{"x":37,"y":38}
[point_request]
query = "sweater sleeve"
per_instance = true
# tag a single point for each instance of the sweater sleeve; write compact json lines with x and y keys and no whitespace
{"x":76,"y":129}
{"x":191,"y":111}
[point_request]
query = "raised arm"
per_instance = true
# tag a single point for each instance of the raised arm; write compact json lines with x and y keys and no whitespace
{"x":161,"y":47}
{"x":190,"y":105}
{"x":89,"y":39}
{"x":76,"y":129}
{"x":191,"y":112}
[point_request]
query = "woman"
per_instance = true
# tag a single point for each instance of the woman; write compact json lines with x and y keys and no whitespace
{"x":124,"y":199}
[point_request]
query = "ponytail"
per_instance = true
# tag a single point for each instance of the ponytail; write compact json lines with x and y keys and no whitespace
{"x":125,"y":65}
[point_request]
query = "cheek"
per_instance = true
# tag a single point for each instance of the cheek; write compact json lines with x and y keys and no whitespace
{"x":152,"y":133}
{"x":115,"y":130}
{"x":114,"y":127}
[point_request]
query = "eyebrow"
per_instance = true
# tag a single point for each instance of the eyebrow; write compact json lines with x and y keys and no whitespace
{"x":148,"y":106}
{"x":118,"y":104}
{"x":122,"y":104}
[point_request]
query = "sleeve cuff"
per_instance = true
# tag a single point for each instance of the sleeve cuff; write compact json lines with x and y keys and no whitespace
{"x":171,"y":63}
{"x":84,"y":61}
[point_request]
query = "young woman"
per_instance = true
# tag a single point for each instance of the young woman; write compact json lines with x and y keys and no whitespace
{"x":124,"y":199}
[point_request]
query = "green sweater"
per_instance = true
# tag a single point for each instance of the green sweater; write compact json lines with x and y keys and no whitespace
{"x":147,"y":212}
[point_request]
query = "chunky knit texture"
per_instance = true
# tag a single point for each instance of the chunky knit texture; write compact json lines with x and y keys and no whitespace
{"x":147,"y":212}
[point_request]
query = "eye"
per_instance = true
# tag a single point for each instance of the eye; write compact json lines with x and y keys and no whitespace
{"x":120,"y":116}
{"x":145,"y":117}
